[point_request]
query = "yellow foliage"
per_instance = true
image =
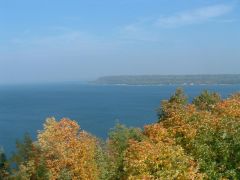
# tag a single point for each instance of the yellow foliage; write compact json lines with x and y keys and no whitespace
{"x":66,"y":148}
{"x":26,"y":171}
{"x":158,"y":157}
{"x":229,"y":107}
{"x":147,"y":160}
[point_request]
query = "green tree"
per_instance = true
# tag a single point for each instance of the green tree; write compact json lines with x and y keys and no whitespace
{"x":118,"y":141}
{"x":27,"y":161}
{"x":206,"y":100}
{"x":3,"y":165}
{"x":179,"y":97}
{"x":25,"y":151}
{"x":177,"y":100}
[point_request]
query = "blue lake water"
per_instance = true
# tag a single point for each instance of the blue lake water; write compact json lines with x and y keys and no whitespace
{"x":95,"y":107}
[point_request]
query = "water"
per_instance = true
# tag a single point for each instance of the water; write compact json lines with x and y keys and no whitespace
{"x":96,"y":108}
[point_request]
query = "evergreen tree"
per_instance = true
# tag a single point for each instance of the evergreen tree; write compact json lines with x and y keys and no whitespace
{"x":3,"y":164}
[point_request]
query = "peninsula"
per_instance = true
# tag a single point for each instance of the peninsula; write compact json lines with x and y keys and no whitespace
{"x":169,"y":79}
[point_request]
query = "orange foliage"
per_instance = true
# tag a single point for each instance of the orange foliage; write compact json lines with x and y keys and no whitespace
{"x":68,"y":150}
{"x":147,"y":160}
{"x":229,"y":108}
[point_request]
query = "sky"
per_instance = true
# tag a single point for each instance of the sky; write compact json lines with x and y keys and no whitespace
{"x":78,"y":40}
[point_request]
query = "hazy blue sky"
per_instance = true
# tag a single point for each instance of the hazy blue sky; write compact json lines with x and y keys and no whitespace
{"x":62,"y":40}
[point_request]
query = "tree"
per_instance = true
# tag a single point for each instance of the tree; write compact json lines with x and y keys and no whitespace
{"x":178,"y":97}
{"x":206,"y":100}
{"x":3,"y":165}
{"x":177,"y":100}
{"x":27,"y":161}
{"x":25,"y":151}
{"x":158,"y":157}
{"x":210,"y":137}
{"x":68,"y":152}
{"x":117,"y":143}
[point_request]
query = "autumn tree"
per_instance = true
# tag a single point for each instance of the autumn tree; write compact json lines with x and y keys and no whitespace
{"x":159,"y":157}
{"x":210,"y":137}
{"x":69,"y":152}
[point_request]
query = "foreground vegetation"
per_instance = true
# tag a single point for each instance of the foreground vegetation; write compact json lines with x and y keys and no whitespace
{"x":200,"y":140}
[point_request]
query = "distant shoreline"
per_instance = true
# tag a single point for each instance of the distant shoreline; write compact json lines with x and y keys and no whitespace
{"x":160,"y":80}
{"x":162,"y":84}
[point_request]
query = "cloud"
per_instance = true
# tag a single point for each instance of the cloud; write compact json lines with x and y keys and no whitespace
{"x":141,"y":30}
{"x":61,"y":39}
{"x":199,"y":15}
{"x":65,"y":42}
{"x":147,"y":29}
{"x":135,"y":33}
{"x":131,"y":28}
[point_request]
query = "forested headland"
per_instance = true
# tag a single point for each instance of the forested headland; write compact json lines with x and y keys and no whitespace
{"x":197,"y":140}
{"x":169,"y":79}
